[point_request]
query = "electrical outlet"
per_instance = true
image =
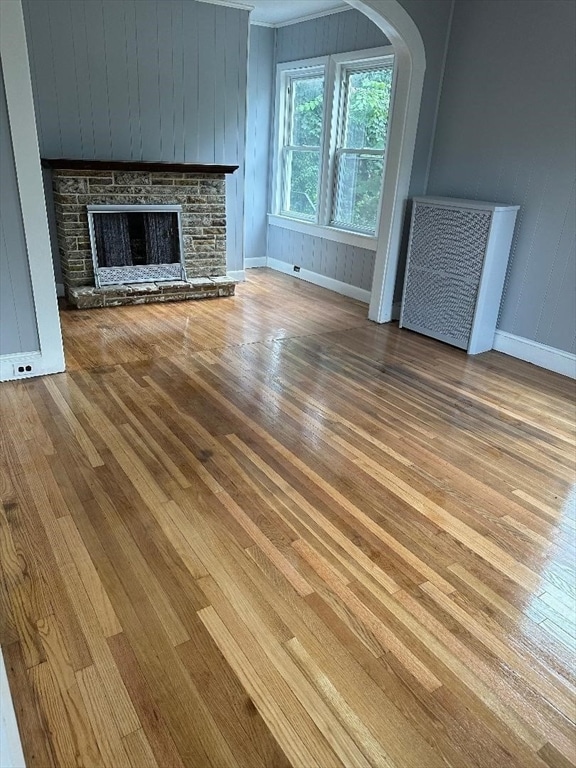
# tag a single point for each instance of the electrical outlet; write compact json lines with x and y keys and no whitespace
{"x":296,"y":269}
{"x":22,"y":370}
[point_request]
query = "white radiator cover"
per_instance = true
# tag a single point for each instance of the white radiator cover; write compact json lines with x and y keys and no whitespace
{"x":457,"y":259}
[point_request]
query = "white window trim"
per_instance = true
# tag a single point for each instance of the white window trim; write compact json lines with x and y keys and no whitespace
{"x":311,"y":71}
{"x":345,"y":236}
{"x":283,"y":71}
{"x":333,"y":68}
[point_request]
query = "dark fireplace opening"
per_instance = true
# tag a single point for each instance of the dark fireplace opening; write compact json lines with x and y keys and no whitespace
{"x":135,"y":244}
{"x":131,"y":239}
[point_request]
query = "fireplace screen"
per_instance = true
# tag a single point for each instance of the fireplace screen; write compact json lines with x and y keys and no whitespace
{"x":136,"y":243}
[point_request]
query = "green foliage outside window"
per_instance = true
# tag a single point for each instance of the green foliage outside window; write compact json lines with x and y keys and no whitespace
{"x":365,"y":126}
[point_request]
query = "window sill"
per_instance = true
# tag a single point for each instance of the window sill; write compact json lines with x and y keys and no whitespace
{"x":328,"y":233}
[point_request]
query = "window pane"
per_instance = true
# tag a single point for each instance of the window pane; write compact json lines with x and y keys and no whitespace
{"x":307,"y":111}
{"x":357,"y":197}
{"x":366,"y":108}
{"x":302,"y":173}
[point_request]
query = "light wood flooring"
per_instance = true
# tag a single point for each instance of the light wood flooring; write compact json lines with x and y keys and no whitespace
{"x":263,"y":531}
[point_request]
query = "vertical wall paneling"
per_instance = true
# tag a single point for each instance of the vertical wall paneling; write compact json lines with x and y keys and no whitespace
{"x":18,"y":330}
{"x":42,"y":69}
{"x":337,"y":33}
{"x":66,"y":94}
{"x":81,"y":69}
{"x":206,"y":14}
{"x":149,"y":93}
{"x":97,"y":75}
{"x":179,"y":44}
{"x":260,"y":101}
{"x":345,"y":263}
{"x":160,"y":80}
{"x":505,"y":131}
{"x":113,"y":23}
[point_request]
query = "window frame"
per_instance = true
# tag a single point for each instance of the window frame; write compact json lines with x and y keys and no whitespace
{"x":284,"y":147}
{"x":335,"y":68}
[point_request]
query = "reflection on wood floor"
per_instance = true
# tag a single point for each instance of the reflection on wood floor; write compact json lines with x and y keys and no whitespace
{"x":263,"y":531}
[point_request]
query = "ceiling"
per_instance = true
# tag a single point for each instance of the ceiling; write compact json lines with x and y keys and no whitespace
{"x":279,"y":12}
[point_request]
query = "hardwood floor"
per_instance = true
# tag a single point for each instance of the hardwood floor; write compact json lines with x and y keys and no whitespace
{"x":263,"y":532}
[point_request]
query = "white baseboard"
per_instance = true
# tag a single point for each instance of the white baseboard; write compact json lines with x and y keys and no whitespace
{"x":239,"y":275}
{"x":255,"y":262}
{"x":533,"y":352}
{"x":60,"y":290}
{"x":40,"y":366}
{"x":11,"y":755}
{"x":324,"y":282}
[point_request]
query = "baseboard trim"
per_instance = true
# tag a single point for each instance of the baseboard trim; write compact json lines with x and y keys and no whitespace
{"x":533,"y":352}
{"x":40,"y":366}
{"x":239,"y":275}
{"x":324,"y":282}
{"x":10,"y":743}
{"x":255,"y":262}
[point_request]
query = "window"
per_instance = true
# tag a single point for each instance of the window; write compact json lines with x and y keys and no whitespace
{"x":333,"y":117}
{"x":301,"y":153}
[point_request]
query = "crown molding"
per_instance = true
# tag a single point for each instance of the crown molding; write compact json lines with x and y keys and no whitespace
{"x":228,"y":4}
{"x":250,"y":8}
{"x":312,"y":16}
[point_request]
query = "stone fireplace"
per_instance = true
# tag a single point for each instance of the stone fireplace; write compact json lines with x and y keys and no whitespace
{"x":136,"y":266}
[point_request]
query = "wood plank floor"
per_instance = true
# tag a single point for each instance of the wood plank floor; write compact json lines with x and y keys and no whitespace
{"x":263,"y":531}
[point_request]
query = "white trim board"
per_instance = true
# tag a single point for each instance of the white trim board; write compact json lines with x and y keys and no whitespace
{"x":275,"y":25}
{"x":11,"y":755}
{"x":20,"y":103}
{"x":324,"y":282}
{"x":533,"y":352}
{"x":256,"y":261}
{"x":230,"y":4}
{"x":311,"y":16}
{"x":239,"y":275}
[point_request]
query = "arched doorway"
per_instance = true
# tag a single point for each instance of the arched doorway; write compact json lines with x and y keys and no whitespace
{"x":403,"y":34}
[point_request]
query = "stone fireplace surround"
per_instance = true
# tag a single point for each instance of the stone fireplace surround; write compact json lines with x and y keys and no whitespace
{"x":199,"y":189}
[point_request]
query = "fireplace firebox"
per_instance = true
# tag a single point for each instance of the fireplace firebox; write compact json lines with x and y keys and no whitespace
{"x":136,"y":243}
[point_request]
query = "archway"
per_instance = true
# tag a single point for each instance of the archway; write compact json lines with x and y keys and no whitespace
{"x":404,"y":36}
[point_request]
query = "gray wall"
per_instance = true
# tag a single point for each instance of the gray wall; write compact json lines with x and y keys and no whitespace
{"x":260,"y":103}
{"x":506,"y":132}
{"x":18,"y":330}
{"x":433,"y":19}
{"x":143,"y":80}
{"x":349,"y":31}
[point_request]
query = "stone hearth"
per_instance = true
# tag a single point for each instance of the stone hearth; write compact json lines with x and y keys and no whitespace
{"x":201,"y":196}
{"x":90,"y":297}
